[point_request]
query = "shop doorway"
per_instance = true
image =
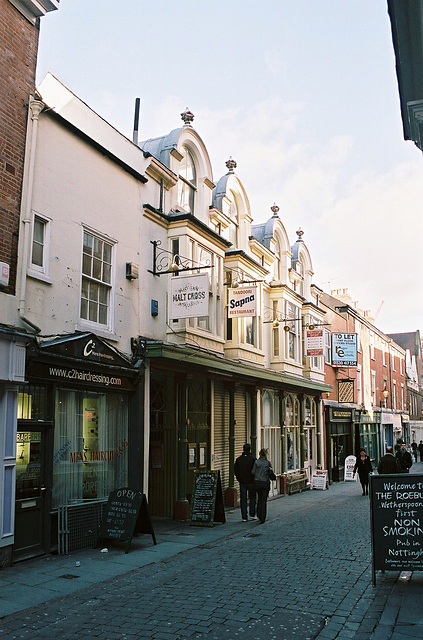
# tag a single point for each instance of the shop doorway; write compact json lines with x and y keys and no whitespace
{"x":339,"y":447}
{"x":30,"y":505}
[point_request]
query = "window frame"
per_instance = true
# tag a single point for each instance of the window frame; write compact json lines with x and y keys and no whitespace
{"x":40,"y":271}
{"x":184,"y":183}
{"x":108,"y":286}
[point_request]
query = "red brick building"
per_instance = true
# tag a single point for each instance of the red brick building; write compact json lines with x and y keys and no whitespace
{"x":368,"y":404}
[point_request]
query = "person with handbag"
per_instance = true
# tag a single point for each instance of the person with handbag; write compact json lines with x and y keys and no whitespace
{"x":242,"y":469}
{"x":263,"y":473}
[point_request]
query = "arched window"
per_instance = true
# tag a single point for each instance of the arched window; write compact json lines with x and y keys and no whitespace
{"x":187,"y":184}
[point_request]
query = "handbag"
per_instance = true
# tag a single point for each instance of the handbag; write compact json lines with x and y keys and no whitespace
{"x":271,"y":474}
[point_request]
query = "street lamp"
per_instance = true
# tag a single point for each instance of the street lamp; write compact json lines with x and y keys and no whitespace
{"x":385,"y":394}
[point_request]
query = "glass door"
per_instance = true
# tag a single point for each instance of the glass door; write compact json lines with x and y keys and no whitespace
{"x":30,"y":491}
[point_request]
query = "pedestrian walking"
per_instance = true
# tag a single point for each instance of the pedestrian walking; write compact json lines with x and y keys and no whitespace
{"x":414,"y":450}
{"x":363,"y":466}
{"x":421,"y":450}
{"x":263,"y":473}
{"x":404,"y":458}
{"x":389,"y":463}
{"x":243,"y":473}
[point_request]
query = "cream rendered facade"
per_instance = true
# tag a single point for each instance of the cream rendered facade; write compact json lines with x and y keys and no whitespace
{"x":104,"y":222}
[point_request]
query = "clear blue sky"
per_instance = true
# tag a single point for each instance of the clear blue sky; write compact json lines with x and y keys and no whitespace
{"x":301,"y":93}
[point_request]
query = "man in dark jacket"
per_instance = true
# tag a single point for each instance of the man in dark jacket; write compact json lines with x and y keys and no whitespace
{"x":404,"y":458}
{"x":389,"y":463}
{"x":243,"y":465}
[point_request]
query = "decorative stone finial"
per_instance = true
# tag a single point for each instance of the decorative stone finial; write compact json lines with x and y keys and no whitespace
{"x":187,"y":116}
{"x":300,"y":234}
{"x":274,"y":209}
{"x":231,"y":164}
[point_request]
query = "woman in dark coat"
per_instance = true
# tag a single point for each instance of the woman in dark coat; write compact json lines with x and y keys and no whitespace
{"x":364,"y":466}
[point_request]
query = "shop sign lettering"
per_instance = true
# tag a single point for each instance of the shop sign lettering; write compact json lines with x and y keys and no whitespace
{"x":397,"y":522}
{"x":97,"y":456}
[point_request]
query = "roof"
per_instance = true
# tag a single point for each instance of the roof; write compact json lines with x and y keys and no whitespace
{"x":407,"y":36}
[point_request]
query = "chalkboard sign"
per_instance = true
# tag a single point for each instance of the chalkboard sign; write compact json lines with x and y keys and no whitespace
{"x":207,"y":499}
{"x":396,"y":502}
{"x":126,"y":515}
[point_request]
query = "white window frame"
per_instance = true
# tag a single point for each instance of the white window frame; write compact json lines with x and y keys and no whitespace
{"x":372,"y":345}
{"x":41,"y":272}
{"x":359,"y":385}
{"x":328,"y":347}
{"x":108,"y":327}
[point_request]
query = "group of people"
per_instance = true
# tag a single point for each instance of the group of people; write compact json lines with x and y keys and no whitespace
{"x":399,"y":462}
{"x":254,"y":477}
{"x":417,"y":448}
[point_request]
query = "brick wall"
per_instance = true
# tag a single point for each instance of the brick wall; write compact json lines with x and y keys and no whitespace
{"x":18,"y":57}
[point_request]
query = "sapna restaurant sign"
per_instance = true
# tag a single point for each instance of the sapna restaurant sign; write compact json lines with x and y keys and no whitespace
{"x":189,"y":296}
{"x":242,"y":302}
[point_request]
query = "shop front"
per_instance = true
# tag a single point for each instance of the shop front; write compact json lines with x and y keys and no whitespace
{"x":340,"y":441}
{"x":76,"y":423}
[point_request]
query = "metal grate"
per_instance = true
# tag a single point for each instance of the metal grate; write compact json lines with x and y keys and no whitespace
{"x":78,"y":525}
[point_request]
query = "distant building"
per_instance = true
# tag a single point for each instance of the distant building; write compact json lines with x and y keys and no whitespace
{"x":368,"y":403}
{"x":411,"y":342}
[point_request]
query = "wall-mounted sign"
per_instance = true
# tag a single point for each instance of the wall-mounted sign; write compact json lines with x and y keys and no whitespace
{"x":189,"y":296}
{"x":242,"y":302}
{"x":315,"y":342}
{"x":344,"y":349}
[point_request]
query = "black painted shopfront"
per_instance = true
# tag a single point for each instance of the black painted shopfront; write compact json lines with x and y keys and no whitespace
{"x":78,"y":429}
{"x":340,"y":429}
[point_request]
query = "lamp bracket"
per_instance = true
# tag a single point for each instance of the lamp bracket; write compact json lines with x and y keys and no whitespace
{"x":165,"y":262}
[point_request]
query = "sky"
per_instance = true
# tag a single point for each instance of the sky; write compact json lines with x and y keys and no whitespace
{"x":302,"y":94}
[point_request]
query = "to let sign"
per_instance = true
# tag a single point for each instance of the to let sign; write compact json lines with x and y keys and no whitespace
{"x":344,"y":349}
{"x":396,"y":503}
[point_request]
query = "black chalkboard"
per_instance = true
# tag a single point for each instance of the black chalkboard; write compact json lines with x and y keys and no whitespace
{"x":396,"y":503}
{"x":207,"y":499}
{"x":126,"y":515}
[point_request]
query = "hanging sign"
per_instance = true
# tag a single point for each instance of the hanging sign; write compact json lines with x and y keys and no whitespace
{"x":344,"y":349}
{"x":242,"y":302}
{"x":189,"y":296}
{"x":315,"y":343}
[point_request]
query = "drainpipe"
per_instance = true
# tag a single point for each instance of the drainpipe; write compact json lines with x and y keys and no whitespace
{"x":35,"y":108}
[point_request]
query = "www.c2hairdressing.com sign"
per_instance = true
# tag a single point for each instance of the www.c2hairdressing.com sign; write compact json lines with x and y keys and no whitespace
{"x":189,"y":296}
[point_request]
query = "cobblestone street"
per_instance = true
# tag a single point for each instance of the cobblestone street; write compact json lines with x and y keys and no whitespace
{"x":304,"y":574}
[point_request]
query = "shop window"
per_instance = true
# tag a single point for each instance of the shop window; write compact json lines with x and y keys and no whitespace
{"x":32,"y":403}
{"x":90,"y":445}
{"x":96,"y":279}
